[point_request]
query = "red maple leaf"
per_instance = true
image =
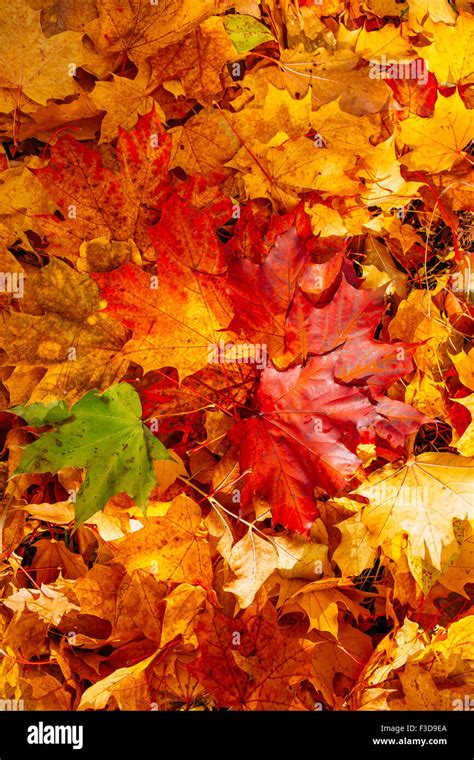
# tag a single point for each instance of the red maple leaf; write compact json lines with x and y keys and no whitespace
{"x":97,"y":202}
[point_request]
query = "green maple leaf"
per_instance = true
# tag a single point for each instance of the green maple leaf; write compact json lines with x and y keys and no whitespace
{"x":39,"y":414}
{"x":105,"y":434}
{"x":246,"y":32}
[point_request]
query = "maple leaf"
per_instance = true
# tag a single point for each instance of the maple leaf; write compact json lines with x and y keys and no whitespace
{"x":343,"y":130}
{"x":42,"y":414}
{"x":320,"y":601}
{"x":140,"y":30}
{"x":118,"y":453}
{"x":163,"y":396}
{"x":52,"y":557}
{"x":277,"y":107}
{"x":351,"y":313}
{"x":379,"y":364}
{"x":39,"y":66}
{"x":465,"y":445}
{"x":286,"y":446}
{"x":332,"y":73}
{"x":39,"y":349}
{"x":183,"y":604}
{"x":203,"y":144}
{"x":447,"y":133}
{"x":124,"y":100}
{"x":43,"y":691}
{"x":21,"y":196}
{"x":262,"y":293}
{"x":456,"y":67}
{"x":48,"y":604}
{"x":415,"y":97}
{"x":283,"y":171}
{"x":355,"y":551}
{"x":421,"y":667}
{"x":197,"y":61}
{"x":246,"y":32}
{"x":420,"y":499}
{"x":95,"y":201}
{"x":256,"y":671}
{"x":254,"y":558}
{"x":185,"y":558}
{"x":385,"y":184}
{"x":128,"y":687}
{"x":177,"y":323}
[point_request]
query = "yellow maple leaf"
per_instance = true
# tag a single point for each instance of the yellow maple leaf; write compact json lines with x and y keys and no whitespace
{"x":437,"y":143}
{"x":419,"y":499}
{"x":465,"y":445}
{"x":448,"y":55}
{"x":40,"y":67}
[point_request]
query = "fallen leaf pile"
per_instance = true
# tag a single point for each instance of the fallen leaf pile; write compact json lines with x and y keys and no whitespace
{"x":236,"y":362}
